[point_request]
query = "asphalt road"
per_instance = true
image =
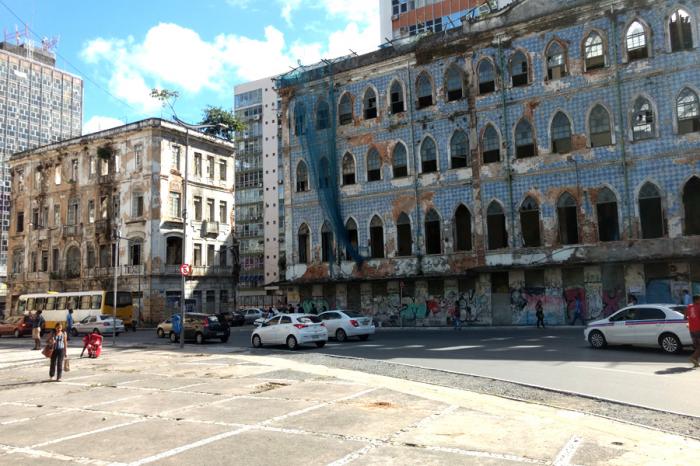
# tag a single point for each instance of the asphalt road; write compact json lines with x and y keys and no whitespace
{"x":555,"y":358}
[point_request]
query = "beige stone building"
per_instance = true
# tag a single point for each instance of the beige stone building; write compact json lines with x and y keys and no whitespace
{"x":68,"y":199}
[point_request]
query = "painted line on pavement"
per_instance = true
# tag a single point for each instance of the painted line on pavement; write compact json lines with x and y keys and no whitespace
{"x":617,"y":370}
{"x":41,"y":454}
{"x":455,"y":348}
{"x":568,"y":451}
{"x":84,"y":434}
{"x":485,"y":454}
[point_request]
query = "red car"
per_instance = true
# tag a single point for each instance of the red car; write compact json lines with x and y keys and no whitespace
{"x":17,"y":326}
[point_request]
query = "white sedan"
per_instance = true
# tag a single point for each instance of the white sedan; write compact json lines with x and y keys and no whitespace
{"x":343,"y":324}
{"x":103,"y":323}
{"x":661,"y":325}
{"x":291,"y":330}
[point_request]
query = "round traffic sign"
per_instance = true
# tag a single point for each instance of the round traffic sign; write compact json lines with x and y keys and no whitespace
{"x":186,"y":269}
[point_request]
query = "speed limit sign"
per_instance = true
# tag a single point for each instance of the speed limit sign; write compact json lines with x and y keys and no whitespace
{"x":186,"y":269}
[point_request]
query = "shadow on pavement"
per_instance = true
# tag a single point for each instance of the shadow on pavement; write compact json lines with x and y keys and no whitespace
{"x":674,"y":370}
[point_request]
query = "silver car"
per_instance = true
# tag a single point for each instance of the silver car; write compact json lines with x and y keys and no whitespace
{"x":252,"y":314}
{"x":104,"y":323}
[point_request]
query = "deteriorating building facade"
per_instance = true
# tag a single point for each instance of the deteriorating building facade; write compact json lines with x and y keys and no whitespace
{"x":69,"y":199}
{"x":548,"y":152}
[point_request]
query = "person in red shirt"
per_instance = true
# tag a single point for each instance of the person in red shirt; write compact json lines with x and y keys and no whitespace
{"x":693,"y":316}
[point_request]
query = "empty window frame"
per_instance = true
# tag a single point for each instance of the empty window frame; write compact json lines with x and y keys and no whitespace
{"x":691,"y":206}
{"x":424,"y":91}
{"x":524,"y":140}
{"x":399,"y":161}
{"x":376,"y":238}
{"x":323,"y":115}
{"x":561,"y":134}
{"x":519,"y":75}
{"x":396,"y":98}
{"x":326,"y":243}
{"x":680,"y":31}
{"x":462,"y":229}
{"x":351,"y":232}
{"x":370,"y":104}
{"x":490,"y":145}
{"x":487,"y":77}
{"x":594,"y":54}
{"x":606,"y":209}
{"x":454,"y":83}
{"x":324,"y":174}
{"x":567,"y":216}
{"x":459,"y":150}
{"x":428,"y":156}
{"x":304,"y":239}
{"x":345,"y":110}
{"x":302,"y":177}
{"x":643,"y":123}
{"x":404,"y":240}
{"x":688,"y":112}
{"x":556,"y":61}
{"x":530,"y":223}
{"x":636,"y":41}
{"x":599,"y":126}
{"x":374,"y":165}
{"x":299,"y":118}
{"x":348,"y":169}
{"x":496,"y":224}
{"x":651,"y":217}
{"x":433,"y":237}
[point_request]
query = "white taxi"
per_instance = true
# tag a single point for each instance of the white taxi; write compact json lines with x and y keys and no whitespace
{"x":661,"y":325}
{"x":343,"y":324}
{"x":291,"y":330}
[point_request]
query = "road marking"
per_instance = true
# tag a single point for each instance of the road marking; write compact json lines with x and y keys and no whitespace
{"x":111,"y":401}
{"x":567,"y":453}
{"x":485,"y":454}
{"x":50,"y":455}
{"x":85,"y":434}
{"x":624,"y":371}
{"x":455,"y":348}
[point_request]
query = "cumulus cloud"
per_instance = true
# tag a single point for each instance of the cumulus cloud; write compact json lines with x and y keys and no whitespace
{"x":99,"y":123}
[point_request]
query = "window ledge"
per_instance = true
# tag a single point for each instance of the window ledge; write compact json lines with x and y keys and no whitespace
{"x":136,"y":220}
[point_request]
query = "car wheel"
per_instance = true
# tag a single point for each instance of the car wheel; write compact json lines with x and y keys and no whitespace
{"x":320,"y":344}
{"x":74,"y":332}
{"x":597,"y":339}
{"x":199,"y":338}
{"x":17,"y":334}
{"x":173,"y":337}
{"x":257,"y":342}
{"x":364,"y":337}
{"x":224,"y":339}
{"x":670,"y":343}
{"x":292,"y":342}
{"x":340,"y":335}
{"x":160,"y":333}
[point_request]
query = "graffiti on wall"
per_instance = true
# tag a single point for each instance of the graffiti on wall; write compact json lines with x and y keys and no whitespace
{"x":570,"y":296}
{"x":612,"y":301}
{"x":315,"y":305}
{"x":524,"y":302}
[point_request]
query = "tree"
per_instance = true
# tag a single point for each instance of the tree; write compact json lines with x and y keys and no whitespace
{"x":225,"y":121}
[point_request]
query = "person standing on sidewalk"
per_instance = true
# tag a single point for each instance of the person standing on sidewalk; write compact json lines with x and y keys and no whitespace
{"x":38,"y":324}
{"x":693,"y":316}
{"x":578,"y":312}
{"x":60,"y":349}
{"x":69,"y":322}
{"x":539,"y":313}
{"x":687,"y":300}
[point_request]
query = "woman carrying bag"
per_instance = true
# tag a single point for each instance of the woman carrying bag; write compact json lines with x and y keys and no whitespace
{"x":58,"y":341}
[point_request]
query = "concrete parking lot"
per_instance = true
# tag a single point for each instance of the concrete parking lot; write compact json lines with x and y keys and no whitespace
{"x":222,"y":406}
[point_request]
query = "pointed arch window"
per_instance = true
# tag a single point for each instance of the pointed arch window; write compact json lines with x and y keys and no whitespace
{"x":556,"y":61}
{"x":599,"y":125}
{"x":374,"y":165}
{"x":487,"y":77}
{"x":530,"y":223}
{"x":496,"y":224}
{"x":428,"y":156}
{"x":345,"y":110}
{"x":691,"y":206}
{"x":323,"y":116}
{"x":593,"y":51}
{"x":399,"y":161}
{"x":680,"y":30}
{"x":454,"y":82}
{"x":351,"y":232}
{"x":606,"y":208}
{"x":519,"y":69}
{"x":561,"y":134}
{"x":688,"y":111}
{"x":370,"y":104}
{"x":462,"y":229}
{"x":302,"y":177}
{"x":651,"y":217}
{"x":299,"y":118}
{"x":324,"y":175}
{"x":396,"y":97}
{"x":424,"y":91}
{"x":326,"y":243}
{"x":642,"y":120}
{"x":636,"y":41}
{"x":567,"y":215}
{"x":433,"y":239}
{"x":376,"y":238}
{"x":524,"y":140}
{"x":303,"y":240}
{"x":459,"y":150}
{"x":404,"y":240}
{"x":491,"y":145}
{"x":348,"y":169}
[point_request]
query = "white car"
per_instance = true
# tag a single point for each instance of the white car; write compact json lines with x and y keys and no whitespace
{"x":266,"y":315}
{"x":661,"y":325}
{"x":103,"y":323}
{"x":291,"y":330}
{"x":343,"y":324}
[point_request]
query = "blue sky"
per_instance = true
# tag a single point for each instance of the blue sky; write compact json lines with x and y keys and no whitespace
{"x":201,"y":48}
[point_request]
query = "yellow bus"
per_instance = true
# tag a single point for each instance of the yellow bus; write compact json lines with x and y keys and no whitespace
{"x":54,"y":306}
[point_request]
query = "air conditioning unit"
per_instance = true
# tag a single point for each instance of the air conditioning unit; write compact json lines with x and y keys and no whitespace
{"x":256,"y":117}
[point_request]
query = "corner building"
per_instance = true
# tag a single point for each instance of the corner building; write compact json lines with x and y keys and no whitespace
{"x":546,"y":152}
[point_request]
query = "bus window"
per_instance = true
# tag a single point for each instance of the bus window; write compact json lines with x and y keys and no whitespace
{"x":123,"y":298}
{"x":61,"y":303}
{"x":72,"y":302}
{"x":85,"y":302}
{"x":40,"y":304}
{"x":30,"y":304}
{"x":96,"y":301}
{"x":50,"y":304}
{"x":21,"y":306}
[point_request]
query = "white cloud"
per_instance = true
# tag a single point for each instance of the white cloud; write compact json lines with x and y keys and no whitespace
{"x":239,"y":3}
{"x":99,"y":123}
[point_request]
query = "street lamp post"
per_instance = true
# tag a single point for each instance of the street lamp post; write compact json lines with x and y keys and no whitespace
{"x":115,"y":258}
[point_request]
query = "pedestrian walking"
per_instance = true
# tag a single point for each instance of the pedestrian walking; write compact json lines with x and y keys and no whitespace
{"x":59,"y":342}
{"x":578,"y":312}
{"x":456,"y":317}
{"x":69,"y":322}
{"x":687,"y":299}
{"x":38,"y":324}
{"x":539,"y":313}
{"x":693,"y":316}
{"x":290,"y":309}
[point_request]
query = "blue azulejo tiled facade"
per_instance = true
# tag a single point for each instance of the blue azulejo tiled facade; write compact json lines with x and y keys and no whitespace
{"x":548,"y":152}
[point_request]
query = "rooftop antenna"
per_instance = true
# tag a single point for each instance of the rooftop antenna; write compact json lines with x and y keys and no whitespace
{"x":353,"y":52}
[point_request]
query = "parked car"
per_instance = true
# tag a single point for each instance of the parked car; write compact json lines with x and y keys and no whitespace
{"x":234,"y":318}
{"x":291,"y":330}
{"x":266,"y":315}
{"x":17,"y":326}
{"x":104,"y":323}
{"x":202,"y":327}
{"x":343,"y":324}
{"x":661,"y":325}
{"x":251,"y":314}
{"x":164,"y":328}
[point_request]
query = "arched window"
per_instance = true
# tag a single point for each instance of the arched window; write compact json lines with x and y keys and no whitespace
{"x":396,"y":97}
{"x":462,"y":229}
{"x":524,"y":140}
{"x":370,"y":104}
{"x":530,"y":223}
{"x":73,"y":262}
{"x":688,"y":111}
{"x":428,"y":156}
{"x":351,"y":232}
{"x":642,"y":120}
{"x":304,"y":239}
{"x":567,"y":214}
{"x":487,"y":77}
{"x":324,"y":175}
{"x":376,"y":238}
{"x":691,"y":204}
{"x":302,"y":177}
{"x":345,"y":110}
{"x":403,"y":235}
{"x":399,"y":161}
{"x":599,"y":125}
{"x":606,"y":208}
{"x":496,"y":224}
{"x":374,"y":165}
{"x":299,"y":118}
{"x":326,"y":243}
{"x":680,"y":30}
{"x":459,"y":150}
{"x":556,"y":61}
{"x":323,"y":115}
{"x":454,"y":83}
{"x":424,"y":91}
{"x":594,"y":53}
{"x":636,"y":40}
{"x":348,"y":169}
{"x":561,"y":134}
{"x":433,"y":240}
{"x":490,"y":145}
{"x":651,"y":216}
{"x":519,"y":69}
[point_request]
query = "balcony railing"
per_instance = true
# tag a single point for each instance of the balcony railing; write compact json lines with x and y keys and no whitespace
{"x":198,"y":270}
{"x":132,"y":270}
{"x":72,"y":230}
{"x":210,"y":228}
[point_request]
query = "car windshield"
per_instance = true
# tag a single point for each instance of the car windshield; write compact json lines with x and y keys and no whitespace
{"x":309,"y":319}
{"x":353,"y":314}
{"x":679,"y":309}
{"x":106,"y":317}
